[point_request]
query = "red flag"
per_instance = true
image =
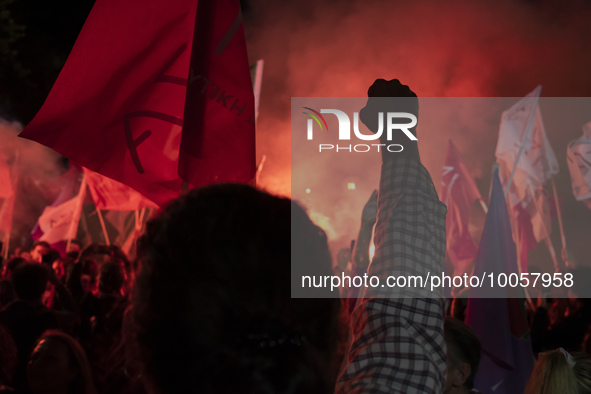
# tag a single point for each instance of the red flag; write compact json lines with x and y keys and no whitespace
{"x":525,"y":236}
{"x":6,"y":190}
{"x":8,"y":182}
{"x":459,"y":193}
{"x":218,"y":140}
{"x":7,"y":200}
{"x":117,"y":106}
{"x":111,"y":195}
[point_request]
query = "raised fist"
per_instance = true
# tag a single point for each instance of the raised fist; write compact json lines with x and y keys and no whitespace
{"x":391,"y":96}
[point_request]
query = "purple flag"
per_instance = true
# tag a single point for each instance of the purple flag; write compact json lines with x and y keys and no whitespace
{"x":507,"y":357}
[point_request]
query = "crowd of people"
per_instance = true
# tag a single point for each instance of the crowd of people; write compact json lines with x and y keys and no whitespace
{"x":207,"y":304}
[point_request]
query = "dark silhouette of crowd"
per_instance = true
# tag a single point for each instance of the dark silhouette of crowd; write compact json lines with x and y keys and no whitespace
{"x":207,"y":307}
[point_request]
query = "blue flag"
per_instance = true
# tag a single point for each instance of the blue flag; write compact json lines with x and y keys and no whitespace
{"x":507,"y":357}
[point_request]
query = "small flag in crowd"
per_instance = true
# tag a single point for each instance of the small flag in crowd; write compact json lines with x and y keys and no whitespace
{"x":459,"y":192}
{"x":68,"y":182}
{"x":578,"y":156}
{"x":8,"y":181}
{"x":110,"y":195}
{"x":55,"y":222}
{"x":524,"y":151}
{"x":6,"y":189}
{"x":60,"y":222}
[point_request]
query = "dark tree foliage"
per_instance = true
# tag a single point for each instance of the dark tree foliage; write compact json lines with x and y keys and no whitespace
{"x":36,"y":37}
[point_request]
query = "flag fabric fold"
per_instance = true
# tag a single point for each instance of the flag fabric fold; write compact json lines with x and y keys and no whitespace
{"x":459,"y":192}
{"x":535,"y":165}
{"x":507,"y":357}
{"x":128,"y":105}
{"x":578,"y":154}
{"x":218,"y":137}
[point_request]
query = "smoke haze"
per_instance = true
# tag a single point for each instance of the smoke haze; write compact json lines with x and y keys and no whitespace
{"x":458,"y":48}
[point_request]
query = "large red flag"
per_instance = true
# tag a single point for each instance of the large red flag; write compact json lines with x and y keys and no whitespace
{"x":218,"y":143}
{"x":459,"y":193}
{"x":117,"y":106}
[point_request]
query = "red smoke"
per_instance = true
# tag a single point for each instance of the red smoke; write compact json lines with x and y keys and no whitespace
{"x":441,"y":49}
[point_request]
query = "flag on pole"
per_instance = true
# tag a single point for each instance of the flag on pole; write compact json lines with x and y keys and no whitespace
{"x":7,"y":200}
{"x":6,"y":189}
{"x":578,"y":156}
{"x":59,"y":223}
{"x":55,"y":221}
{"x":525,"y":236}
{"x":67,"y":182}
{"x":459,"y":192}
{"x":117,"y":105}
{"x":218,"y":137}
{"x":507,"y":358}
{"x":526,"y":153}
{"x":108,"y":194}
{"x":6,"y":219}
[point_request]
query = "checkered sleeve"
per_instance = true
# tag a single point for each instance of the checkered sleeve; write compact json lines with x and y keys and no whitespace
{"x":398,"y":344}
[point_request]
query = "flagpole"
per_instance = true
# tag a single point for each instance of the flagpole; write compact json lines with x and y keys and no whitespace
{"x":142,"y":217}
{"x":10,"y":200}
{"x":259,"y":169}
{"x":519,"y":250}
{"x":546,"y":232}
{"x":85,"y":228}
{"x":77,"y":211}
{"x":528,"y":130}
{"x":6,"y":245}
{"x":483,"y":205}
{"x":258,"y":80}
{"x":6,"y":234}
{"x":102,"y":221}
{"x":559,"y":213}
{"x":5,"y":203}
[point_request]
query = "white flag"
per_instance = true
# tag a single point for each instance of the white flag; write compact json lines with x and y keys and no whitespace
{"x":578,"y":156}
{"x":537,"y":162}
{"x":108,"y":194}
{"x":55,"y":221}
{"x":61,"y":223}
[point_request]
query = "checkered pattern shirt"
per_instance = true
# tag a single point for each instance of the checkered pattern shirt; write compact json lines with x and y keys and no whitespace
{"x":398,"y":344}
